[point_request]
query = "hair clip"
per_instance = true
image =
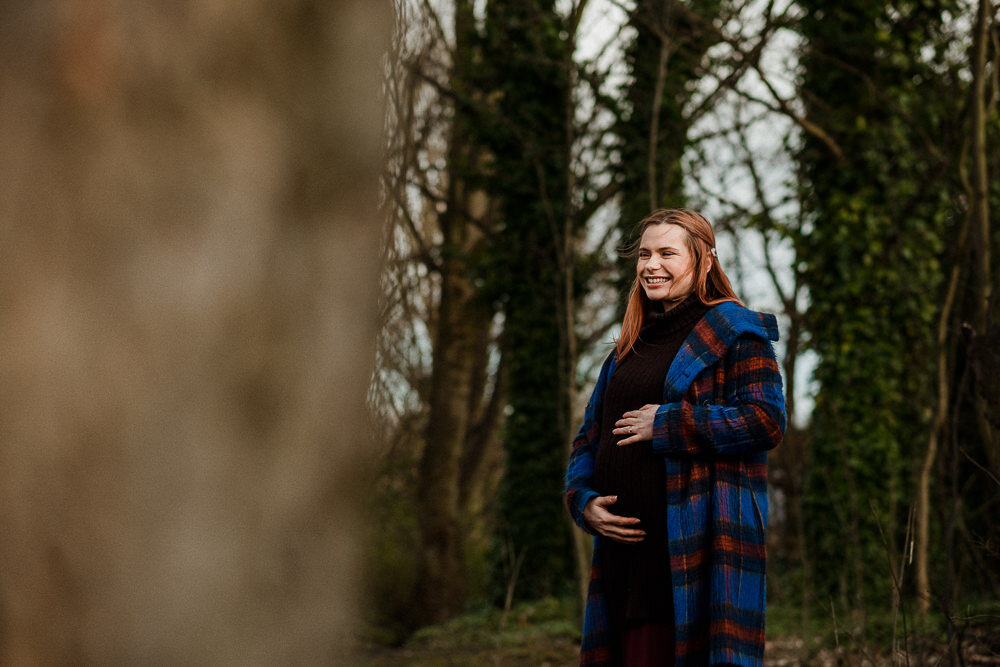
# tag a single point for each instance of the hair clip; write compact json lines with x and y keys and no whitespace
{"x":714,"y":254}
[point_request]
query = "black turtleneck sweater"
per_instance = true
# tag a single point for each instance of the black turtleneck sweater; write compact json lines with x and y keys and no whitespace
{"x":638,"y":575}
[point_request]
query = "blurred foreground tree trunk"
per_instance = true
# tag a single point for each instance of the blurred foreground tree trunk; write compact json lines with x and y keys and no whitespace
{"x":188,"y":277}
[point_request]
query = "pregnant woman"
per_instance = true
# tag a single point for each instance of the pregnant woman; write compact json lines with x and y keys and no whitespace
{"x":669,"y":470}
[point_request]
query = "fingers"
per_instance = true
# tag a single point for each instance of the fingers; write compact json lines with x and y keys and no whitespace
{"x":603,"y":517}
{"x":623,"y":534}
{"x":636,"y":425}
{"x":626,"y":540}
{"x":607,"y":518}
{"x":629,"y":540}
{"x":625,"y":427}
{"x":633,"y":432}
{"x":615,"y":520}
{"x":620,"y":532}
{"x":619,"y":528}
{"x":635,"y":414}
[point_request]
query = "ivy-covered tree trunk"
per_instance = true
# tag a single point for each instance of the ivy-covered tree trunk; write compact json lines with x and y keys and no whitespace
{"x":663,"y":60}
{"x":872,"y":265}
{"x":530,"y":52}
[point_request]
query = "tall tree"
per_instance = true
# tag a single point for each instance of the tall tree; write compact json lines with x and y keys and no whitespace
{"x":529,"y":51}
{"x":461,"y":324}
{"x":495,"y":229}
{"x":974,"y":235}
{"x":664,"y":61}
{"x":878,"y":207}
{"x":439,"y":232}
{"x":967,"y":474}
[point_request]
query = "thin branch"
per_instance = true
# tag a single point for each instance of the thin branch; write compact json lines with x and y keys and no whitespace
{"x":423,"y":251}
{"x":654,"y":126}
{"x":436,"y":21}
{"x":980,"y":466}
{"x":590,"y":340}
{"x":603,"y":196}
{"x":575,"y":16}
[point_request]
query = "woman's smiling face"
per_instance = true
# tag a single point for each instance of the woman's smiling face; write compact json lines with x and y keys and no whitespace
{"x":665,"y":267}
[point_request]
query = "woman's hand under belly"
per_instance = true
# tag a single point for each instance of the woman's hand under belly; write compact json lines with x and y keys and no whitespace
{"x":622,"y":529}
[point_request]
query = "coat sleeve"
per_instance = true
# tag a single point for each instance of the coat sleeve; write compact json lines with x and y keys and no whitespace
{"x":580,"y":470}
{"x":750,"y":418}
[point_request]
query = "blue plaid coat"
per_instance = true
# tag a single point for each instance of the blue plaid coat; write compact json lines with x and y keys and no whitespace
{"x":723,"y":408}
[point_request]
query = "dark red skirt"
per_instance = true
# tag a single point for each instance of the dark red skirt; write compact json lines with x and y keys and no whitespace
{"x":648,"y":644}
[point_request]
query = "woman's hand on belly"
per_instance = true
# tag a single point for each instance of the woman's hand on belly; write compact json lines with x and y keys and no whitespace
{"x":636,"y":424}
{"x":619,"y":528}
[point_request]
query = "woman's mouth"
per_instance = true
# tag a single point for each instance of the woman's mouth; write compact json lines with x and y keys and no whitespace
{"x":656,"y":281}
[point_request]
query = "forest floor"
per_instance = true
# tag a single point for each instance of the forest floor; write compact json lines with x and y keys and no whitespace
{"x":538,"y":635}
{"x":790,"y":652}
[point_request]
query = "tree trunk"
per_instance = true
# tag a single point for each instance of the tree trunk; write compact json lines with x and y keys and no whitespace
{"x":482,"y":460}
{"x":979,"y":203}
{"x":441,"y":588}
{"x":979,"y":206}
{"x":791,"y":459}
{"x":452,"y":456}
{"x":664,"y":56}
{"x":189,"y":271}
{"x":529,"y":52}
{"x":938,"y":421}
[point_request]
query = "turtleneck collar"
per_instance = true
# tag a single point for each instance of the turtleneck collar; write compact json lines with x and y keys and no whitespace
{"x":660,"y":323}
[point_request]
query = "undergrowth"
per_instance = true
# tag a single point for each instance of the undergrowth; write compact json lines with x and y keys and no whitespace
{"x":547,"y":632}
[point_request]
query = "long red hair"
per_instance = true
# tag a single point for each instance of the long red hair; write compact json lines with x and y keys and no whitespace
{"x":711,"y":284}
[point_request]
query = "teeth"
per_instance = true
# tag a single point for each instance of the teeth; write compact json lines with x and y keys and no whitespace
{"x":656,"y":281}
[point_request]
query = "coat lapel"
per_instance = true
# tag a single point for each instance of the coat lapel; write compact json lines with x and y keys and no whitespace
{"x":709,"y":340}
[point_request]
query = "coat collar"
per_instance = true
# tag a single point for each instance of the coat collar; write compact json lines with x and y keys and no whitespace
{"x":710,"y":339}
